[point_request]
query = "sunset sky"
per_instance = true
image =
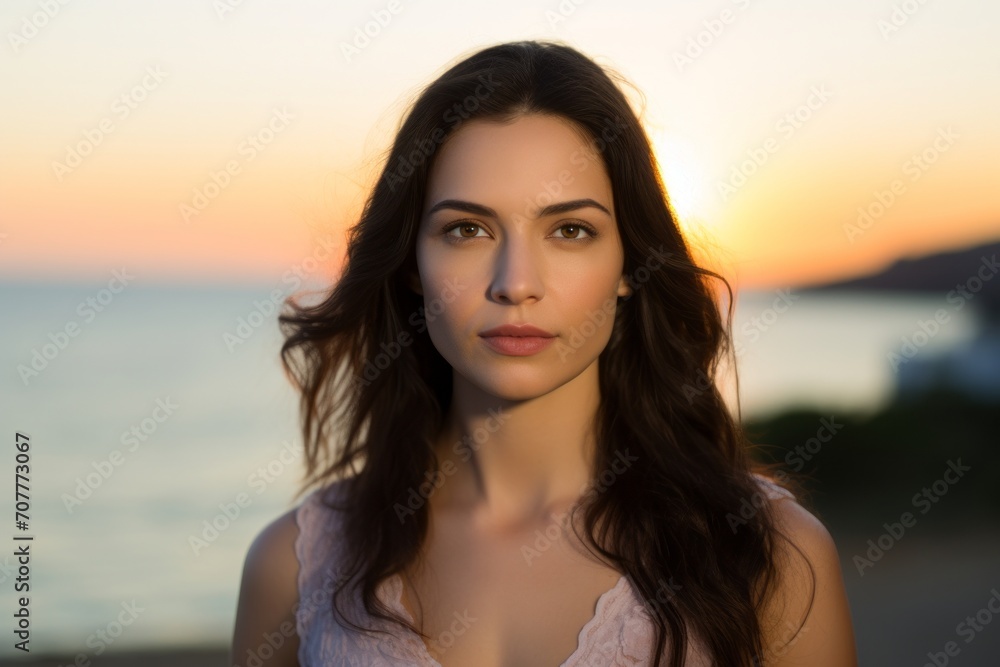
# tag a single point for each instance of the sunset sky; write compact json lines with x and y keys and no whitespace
{"x":849,"y":102}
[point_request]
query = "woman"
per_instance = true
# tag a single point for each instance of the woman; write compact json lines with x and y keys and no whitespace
{"x":509,"y":409}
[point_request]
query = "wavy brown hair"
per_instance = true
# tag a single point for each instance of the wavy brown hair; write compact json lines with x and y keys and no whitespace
{"x":363,"y":362}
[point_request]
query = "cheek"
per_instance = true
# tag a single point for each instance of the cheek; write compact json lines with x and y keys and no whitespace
{"x":451,"y":328}
{"x":581,"y":291}
{"x":445,"y":286}
{"x":447,"y":318}
{"x":447,"y":310}
{"x":439,"y":268}
{"x":588,"y":305}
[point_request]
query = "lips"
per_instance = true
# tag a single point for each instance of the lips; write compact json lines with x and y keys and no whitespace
{"x":517,"y":331}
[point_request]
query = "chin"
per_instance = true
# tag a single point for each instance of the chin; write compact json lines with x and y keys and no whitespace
{"x":516,"y":384}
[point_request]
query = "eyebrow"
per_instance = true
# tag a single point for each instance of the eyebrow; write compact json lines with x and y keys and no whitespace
{"x":486,"y":211}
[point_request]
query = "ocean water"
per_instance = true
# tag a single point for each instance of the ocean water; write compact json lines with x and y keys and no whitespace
{"x":212,"y":420}
{"x":837,"y":350}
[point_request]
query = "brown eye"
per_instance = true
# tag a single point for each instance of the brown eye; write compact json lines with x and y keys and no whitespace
{"x":463,"y":229}
{"x":591,"y":232}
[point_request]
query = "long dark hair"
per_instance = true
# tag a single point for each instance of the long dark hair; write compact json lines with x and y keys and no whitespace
{"x":374,"y":390}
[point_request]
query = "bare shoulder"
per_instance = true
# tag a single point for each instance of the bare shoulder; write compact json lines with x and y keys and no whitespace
{"x":808,"y":620}
{"x":265,"y":613}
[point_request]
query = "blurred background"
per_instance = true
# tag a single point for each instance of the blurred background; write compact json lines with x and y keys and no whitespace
{"x":172,"y":171}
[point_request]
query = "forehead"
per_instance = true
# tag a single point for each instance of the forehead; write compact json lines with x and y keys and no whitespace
{"x":516,"y":167}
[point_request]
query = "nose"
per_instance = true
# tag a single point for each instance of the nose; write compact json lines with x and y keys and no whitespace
{"x":517,"y":273}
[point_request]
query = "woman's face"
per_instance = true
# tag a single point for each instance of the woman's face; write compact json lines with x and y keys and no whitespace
{"x":505,"y":264}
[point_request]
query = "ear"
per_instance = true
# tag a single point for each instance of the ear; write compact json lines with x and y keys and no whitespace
{"x":413,"y":280}
{"x":624,"y":290}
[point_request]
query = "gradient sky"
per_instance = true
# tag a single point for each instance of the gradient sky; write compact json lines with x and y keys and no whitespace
{"x":891,"y":91}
